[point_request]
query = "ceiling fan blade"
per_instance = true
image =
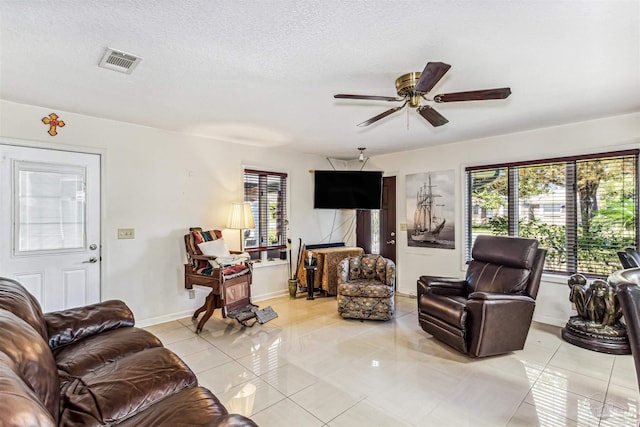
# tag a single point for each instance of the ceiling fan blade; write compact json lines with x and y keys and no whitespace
{"x":381,"y":116}
{"x":474,"y":95}
{"x":436,"y":119}
{"x":431,"y":75}
{"x":372,"y":97}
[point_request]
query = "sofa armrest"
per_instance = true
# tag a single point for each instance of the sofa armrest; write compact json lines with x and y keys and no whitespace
{"x":500,"y":322}
{"x":234,"y":420}
{"x":442,"y":286}
{"x":67,"y":326}
{"x":343,"y":271}
{"x":492,"y":296}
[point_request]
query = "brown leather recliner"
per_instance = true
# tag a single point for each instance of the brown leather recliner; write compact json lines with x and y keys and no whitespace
{"x":490,"y":311}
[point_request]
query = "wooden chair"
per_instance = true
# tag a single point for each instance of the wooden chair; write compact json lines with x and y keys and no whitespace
{"x":230,"y":286}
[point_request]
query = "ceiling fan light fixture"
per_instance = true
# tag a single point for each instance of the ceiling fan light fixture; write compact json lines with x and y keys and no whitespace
{"x":361,"y":156}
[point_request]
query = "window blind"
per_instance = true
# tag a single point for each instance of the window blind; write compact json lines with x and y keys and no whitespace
{"x":582,"y":209}
{"x":266,"y":191}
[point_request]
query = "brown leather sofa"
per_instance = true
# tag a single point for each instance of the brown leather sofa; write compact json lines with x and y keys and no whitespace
{"x":490,"y":311}
{"x":627,"y":285}
{"x":89,"y":366}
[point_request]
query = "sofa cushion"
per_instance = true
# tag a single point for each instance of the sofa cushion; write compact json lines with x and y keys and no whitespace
{"x":28,"y":354}
{"x":365,"y":308}
{"x":16,"y":299}
{"x":93,"y":352}
{"x":366,"y":267}
{"x":194,"y":406}
{"x":365,"y":288}
{"x":124,"y":387}
{"x":19,"y":405}
{"x":67,"y":326}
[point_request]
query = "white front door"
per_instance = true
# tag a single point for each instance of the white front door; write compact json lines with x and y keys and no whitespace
{"x":50,"y":224}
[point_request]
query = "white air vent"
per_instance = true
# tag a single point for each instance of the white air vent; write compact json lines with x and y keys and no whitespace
{"x":119,"y":61}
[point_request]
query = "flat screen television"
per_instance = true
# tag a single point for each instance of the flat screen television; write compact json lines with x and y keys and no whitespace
{"x":347,"y":190}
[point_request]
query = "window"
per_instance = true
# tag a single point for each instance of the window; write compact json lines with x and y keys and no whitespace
{"x":50,"y":208}
{"x":375,"y":231}
{"x":581,"y":209}
{"x":267,"y":194}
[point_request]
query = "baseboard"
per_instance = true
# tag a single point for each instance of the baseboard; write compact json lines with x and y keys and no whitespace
{"x":407,"y":294}
{"x":254,"y":299}
{"x":548,"y":320}
{"x":165,"y":318}
{"x":188,"y":313}
{"x":258,"y":298}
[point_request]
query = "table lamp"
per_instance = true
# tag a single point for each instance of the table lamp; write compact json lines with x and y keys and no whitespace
{"x":241,"y":218}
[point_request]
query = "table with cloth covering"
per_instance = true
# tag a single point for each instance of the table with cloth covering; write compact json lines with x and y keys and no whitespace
{"x":326,"y":276}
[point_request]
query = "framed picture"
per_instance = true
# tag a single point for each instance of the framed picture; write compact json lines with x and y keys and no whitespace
{"x":431,"y":210}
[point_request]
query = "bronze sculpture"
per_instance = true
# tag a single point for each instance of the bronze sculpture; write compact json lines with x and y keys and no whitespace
{"x":597,"y":325}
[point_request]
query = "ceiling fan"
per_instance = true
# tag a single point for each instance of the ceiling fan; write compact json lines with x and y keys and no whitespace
{"x":412,"y":87}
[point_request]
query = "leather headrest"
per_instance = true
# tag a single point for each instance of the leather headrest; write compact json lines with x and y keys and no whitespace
{"x":15,"y":298}
{"x":502,"y":250}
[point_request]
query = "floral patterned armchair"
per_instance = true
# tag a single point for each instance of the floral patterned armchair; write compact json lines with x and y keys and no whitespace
{"x":366,"y":287}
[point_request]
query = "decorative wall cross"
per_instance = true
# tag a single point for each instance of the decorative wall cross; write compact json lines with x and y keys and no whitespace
{"x":53,"y":123}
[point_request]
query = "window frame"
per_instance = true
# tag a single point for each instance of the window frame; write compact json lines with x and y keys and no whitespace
{"x":261,"y":213}
{"x":571,"y":264}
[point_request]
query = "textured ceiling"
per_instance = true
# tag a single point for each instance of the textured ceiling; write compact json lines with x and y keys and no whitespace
{"x":265,"y":72}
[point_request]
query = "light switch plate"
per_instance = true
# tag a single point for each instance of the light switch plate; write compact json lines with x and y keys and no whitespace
{"x":126,"y":233}
{"x":403,"y":227}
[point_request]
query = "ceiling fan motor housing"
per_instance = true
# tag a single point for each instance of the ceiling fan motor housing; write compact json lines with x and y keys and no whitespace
{"x":405,"y":85}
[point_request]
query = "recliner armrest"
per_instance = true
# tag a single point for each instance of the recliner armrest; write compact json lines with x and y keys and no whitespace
{"x":492,"y":296}
{"x":500,"y":322}
{"x":67,"y":326}
{"x":442,"y":286}
{"x":203,"y":257}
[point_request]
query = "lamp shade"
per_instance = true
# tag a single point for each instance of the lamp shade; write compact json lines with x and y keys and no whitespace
{"x":241,"y":216}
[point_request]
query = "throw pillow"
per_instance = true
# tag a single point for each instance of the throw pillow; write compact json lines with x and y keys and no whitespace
{"x":215,"y":248}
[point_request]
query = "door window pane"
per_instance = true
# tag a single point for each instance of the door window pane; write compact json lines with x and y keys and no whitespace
{"x":50,"y":208}
{"x":375,"y":231}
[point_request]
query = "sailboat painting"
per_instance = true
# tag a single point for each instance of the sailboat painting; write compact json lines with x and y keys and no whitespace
{"x":430,"y":209}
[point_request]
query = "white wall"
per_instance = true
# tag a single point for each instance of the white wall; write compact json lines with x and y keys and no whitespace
{"x":161,"y":183}
{"x":602,"y":135}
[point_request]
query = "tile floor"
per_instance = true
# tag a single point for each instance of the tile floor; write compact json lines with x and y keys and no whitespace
{"x":310,"y":367}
